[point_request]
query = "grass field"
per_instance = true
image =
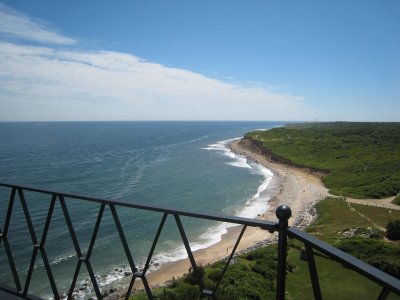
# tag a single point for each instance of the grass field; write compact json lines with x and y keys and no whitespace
{"x":336,"y":215}
{"x":338,"y":282}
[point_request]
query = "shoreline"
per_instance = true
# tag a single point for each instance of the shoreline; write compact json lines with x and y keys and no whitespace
{"x":296,"y":188}
{"x":300,"y":188}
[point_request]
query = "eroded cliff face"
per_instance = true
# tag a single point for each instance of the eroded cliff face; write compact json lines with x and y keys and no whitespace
{"x":257,"y":147}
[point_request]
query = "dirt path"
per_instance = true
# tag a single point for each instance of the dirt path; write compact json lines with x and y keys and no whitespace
{"x":365,"y":217}
{"x":385,"y":203}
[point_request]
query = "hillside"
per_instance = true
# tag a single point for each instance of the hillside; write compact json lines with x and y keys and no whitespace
{"x":360,"y":160}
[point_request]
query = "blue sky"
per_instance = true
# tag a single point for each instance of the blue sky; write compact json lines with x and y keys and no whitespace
{"x":200,"y":60}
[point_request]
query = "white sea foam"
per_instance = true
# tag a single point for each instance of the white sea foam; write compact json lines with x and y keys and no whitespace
{"x":97,"y":159}
{"x":253,"y":206}
{"x":258,"y":203}
{"x":238,"y":160}
{"x":62,"y":258}
{"x":212,"y":236}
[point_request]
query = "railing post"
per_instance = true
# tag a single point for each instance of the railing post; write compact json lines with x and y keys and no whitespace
{"x":283,"y":213}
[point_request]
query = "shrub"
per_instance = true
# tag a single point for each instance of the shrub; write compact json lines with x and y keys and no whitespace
{"x":380,"y":254}
{"x":393,"y":230}
{"x":396,"y":200}
{"x":183,"y":291}
{"x":249,"y":276}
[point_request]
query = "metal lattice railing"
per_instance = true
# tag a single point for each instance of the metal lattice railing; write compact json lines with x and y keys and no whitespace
{"x":388,"y":283}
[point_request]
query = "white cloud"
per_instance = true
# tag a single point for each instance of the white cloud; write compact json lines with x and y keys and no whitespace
{"x":21,"y":27}
{"x":47,"y":83}
{"x":44,"y":83}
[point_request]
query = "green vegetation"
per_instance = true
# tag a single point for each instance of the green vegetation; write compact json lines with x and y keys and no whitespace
{"x":393,"y":230}
{"x":336,"y":281}
{"x":396,"y":200}
{"x":251,"y":276}
{"x":358,"y":230}
{"x":363,"y":159}
{"x":378,"y":253}
{"x":336,"y":217}
{"x":354,"y":228}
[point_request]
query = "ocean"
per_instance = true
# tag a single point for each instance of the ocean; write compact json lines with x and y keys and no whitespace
{"x":178,"y":165}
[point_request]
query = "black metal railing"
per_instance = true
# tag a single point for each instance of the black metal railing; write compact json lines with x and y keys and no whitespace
{"x":388,"y":283}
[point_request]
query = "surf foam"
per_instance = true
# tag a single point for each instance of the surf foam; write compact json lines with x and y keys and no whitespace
{"x":252,"y":208}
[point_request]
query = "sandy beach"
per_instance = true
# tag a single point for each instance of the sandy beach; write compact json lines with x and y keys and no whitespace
{"x":298,"y":189}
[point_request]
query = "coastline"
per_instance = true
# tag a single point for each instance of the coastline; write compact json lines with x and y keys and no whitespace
{"x":298,"y":189}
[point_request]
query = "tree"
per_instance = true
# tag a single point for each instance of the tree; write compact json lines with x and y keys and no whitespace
{"x":393,"y":230}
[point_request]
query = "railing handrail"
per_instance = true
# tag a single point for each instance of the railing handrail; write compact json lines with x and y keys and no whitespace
{"x":283,"y":213}
{"x":198,"y":215}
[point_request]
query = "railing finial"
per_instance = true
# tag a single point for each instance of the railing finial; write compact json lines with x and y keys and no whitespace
{"x":283,"y":213}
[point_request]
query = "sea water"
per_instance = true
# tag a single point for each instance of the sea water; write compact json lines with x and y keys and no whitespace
{"x":177,"y":165}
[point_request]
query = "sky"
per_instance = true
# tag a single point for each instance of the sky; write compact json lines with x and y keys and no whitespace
{"x":200,"y":60}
